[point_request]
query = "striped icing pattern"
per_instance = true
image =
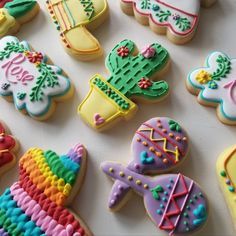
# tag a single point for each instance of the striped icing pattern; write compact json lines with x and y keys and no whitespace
{"x":35,"y":204}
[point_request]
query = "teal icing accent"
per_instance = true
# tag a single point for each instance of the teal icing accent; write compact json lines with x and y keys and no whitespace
{"x":201,"y":214}
{"x":17,"y":216}
{"x":145,"y":159}
{"x":57,"y":69}
{"x":201,"y":88}
{"x":69,"y":12}
{"x":69,"y":164}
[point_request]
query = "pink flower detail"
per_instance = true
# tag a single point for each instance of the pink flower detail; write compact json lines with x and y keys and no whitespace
{"x":123,"y":51}
{"x":148,"y":52}
{"x":144,"y":83}
{"x":35,"y":57}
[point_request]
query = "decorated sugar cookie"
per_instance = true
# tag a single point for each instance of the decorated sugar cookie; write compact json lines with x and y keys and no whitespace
{"x":73,"y":18}
{"x":8,"y":148}
{"x":174,"y":202}
{"x":215,"y":85}
{"x":226,"y":173}
{"x":132,"y":76}
{"x":177,"y":19}
{"x":14,"y":13}
{"x":27,"y":78}
{"x":37,"y":203}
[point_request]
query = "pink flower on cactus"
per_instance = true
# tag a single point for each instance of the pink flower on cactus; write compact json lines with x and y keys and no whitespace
{"x":144,"y":83}
{"x":148,"y":52}
{"x":123,"y":51}
{"x":35,"y":57}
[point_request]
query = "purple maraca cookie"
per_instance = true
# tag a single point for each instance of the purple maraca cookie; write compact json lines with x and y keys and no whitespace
{"x":159,"y":144}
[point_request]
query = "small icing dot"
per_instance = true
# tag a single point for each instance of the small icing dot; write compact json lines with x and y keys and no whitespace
{"x":178,"y":138}
{"x":159,"y":154}
{"x":195,"y":196}
{"x":145,"y":186}
{"x":120,"y":187}
{"x":168,"y":186}
{"x":171,"y":135}
{"x":152,"y":149}
{"x":200,"y":194}
{"x":145,"y":143}
{"x":138,"y":139}
{"x":159,"y":126}
{"x":185,"y":214}
{"x":184,"y":138}
{"x":138,"y":182}
{"x":164,"y":199}
{"x":165,"y":161}
{"x":164,"y":131}
{"x":223,"y":173}
{"x":136,"y":166}
{"x":112,"y":202}
{"x":188,"y":207}
{"x":162,"y":206}
{"x":111,"y":170}
{"x":1,"y":139}
{"x":185,"y":223}
{"x":159,"y":121}
{"x":187,"y":229}
{"x":130,"y":178}
{"x":227,"y":181}
{"x":122,"y":174}
{"x":231,"y":188}
{"x":159,"y":212}
{"x":166,"y":193}
{"x":172,"y":181}
{"x":116,"y":194}
{"x":191,"y":201}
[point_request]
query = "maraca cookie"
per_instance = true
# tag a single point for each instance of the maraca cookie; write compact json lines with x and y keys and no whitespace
{"x":215,"y":84}
{"x":37,"y":203}
{"x":74,"y":19}
{"x":8,"y":147}
{"x":226,"y":174}
{"x":14,"y":13}
{"x":132,"y":78}
{"x":174,"y":202}
{"x":27,"y":79}
{"x":177,"y":19}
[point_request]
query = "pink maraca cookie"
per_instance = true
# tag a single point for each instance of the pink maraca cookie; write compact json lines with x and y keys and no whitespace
{"x":159,"y":144}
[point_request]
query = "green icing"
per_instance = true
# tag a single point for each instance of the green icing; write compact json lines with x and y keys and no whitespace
{"x":111,"y":94}
{"x":146,"y":4}
{"x":163,"y":15}
{"x":8,"y":226}
{"x":174,"y":126}
{"x":126,"y":72}
{"x":88,"y":8}
{"x":18,"y":8}
{"x":47,"y":78}
{"x":155,"y":192}
{"x":223,"y":69}
{"x":58,"y":169}
{"x":183,"y":23}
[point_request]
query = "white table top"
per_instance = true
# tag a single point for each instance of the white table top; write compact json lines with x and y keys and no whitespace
{"x":208,"y":136}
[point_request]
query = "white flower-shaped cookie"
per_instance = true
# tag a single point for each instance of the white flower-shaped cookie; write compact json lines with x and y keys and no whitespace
{"x":215,"y":85}
{"x":26,"y":77}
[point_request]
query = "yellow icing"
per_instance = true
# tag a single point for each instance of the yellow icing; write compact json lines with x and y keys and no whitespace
{"x":227,"y":162}
{"x":6,"y":21}
{"x":77,"y":37}
{"x":107,"y":108}
{"x":59,"y":183}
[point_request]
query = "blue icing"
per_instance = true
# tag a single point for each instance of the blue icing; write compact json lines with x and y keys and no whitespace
{"x":17,"y":216}
{"x":201,"y":214}
{"x":69,"y":164}
{"x":145,"y":159}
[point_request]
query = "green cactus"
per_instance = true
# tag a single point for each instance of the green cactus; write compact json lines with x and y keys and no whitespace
{"x":127,"y":71}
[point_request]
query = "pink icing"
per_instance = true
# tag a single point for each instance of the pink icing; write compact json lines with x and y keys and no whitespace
{"x":14,"y":72}
{"x":231,"y":86}
{"x":148,"y":52}
{"x":33,"y":210}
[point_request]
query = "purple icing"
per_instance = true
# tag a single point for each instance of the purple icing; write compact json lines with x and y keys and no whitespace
{"x":154,"y":128}
{"x":3,"y":233}
{"x":158,"y":195}
{"x":76,"y":153}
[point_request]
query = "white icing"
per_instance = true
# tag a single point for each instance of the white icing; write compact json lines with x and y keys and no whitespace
{"x":220,"y":94}
{"x":36,"y":108}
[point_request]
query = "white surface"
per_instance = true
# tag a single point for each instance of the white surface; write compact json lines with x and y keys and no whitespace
{"x":208,"y":136}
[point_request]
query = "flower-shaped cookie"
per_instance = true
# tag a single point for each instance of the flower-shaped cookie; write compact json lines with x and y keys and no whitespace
{"x":36,"y":203}
{"x":215,"y":85}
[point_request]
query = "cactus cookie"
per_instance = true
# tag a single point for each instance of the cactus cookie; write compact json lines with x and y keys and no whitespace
{"x":215,"y":85}
{"x":14,"y":13}
{"x":174,"y":202}
{"x":177,"y":19}
{"x":73,"y":19}
{"x":226,"y":173}
{"x":8,"y":147}
{"x":27,"y":79}
{"x":131,"y":77}
{"x":37,"y":203}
